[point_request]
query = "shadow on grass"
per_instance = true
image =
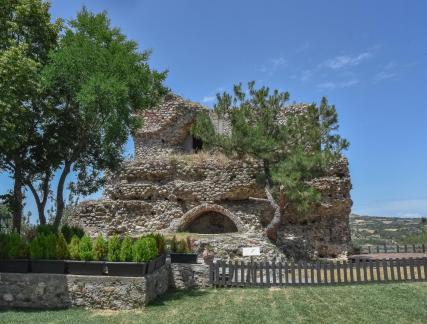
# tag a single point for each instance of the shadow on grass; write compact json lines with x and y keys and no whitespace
{"x":174,"y":295}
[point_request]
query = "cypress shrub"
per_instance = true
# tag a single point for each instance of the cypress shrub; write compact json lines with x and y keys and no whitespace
{"x":50,"y":248}
{"x":69,"y":231}
{"x":38,"y":247}
{"x":126,"y":250}
{"x":114,"y":247}
{"x":161,"y":242}
{"x":144,"y":249}
{"x":73,"y":248}
{"x":62,"y":248}
{"x":100,"y":248}
{"x":13,"y":246}
{"x":85,"y":248}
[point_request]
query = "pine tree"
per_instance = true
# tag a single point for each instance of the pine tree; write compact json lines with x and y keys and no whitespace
{"x":293,"y":150}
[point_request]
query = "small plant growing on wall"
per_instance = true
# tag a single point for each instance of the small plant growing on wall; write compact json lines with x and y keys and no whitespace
{"x":114,"y":247}
{"x":126,"y":250}
{"x":73,"y":248}
{"x":100,"y":248}
{"x":85,"y":249}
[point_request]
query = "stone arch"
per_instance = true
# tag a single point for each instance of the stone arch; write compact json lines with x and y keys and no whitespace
{"x":192,"y":215}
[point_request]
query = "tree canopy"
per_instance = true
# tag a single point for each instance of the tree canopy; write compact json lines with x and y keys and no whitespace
{"x":294,"y":146}
{"x":70,"y":93}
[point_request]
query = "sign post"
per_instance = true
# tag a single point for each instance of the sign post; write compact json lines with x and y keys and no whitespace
{"x":251,"y":251}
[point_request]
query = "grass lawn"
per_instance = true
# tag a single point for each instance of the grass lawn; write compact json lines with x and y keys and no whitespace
{"x":387,"y":303}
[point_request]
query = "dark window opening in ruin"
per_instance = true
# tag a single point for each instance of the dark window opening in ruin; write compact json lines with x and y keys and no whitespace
{"x":197,"y":144}
{"x":212,"y":223}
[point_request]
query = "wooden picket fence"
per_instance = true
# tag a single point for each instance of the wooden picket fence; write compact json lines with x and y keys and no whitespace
{"x":393,"y":248}
{"x":270,"y":274}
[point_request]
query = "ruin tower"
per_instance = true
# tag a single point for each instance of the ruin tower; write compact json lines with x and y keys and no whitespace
{"x":173,"y":185}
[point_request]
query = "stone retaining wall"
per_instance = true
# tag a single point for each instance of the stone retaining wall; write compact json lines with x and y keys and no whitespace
{"x":41,"y":290}
{"x":184,"y":276}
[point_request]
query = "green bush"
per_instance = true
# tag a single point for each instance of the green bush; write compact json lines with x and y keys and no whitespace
{"x":161,"y":242}
{"x":126,"y":250}
{"x":44,"y":247}
{"x":50,"y":247}
{"x":114,"y":246}
{"x":13,"y":246}
{"x":85,"y":248}
{"x":100,"y":248}
{"x":182,"y":247}
{"x":174,"y":244}
{"x":69,"y":231}
{"x":73,"y":248}
{"x":46,"y":229}
{"x":62,"y":248}
{"x":144,"y":249}
{"x":37,"y":247}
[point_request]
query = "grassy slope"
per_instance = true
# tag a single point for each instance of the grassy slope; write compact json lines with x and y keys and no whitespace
{"x":388,"y":303}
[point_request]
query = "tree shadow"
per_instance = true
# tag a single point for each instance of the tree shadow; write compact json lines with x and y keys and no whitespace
{"x":181,"y":294}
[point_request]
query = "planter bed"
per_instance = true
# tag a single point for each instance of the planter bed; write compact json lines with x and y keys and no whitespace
{"x":94,"y":268}
{"x":183,"y":258}
{"x":131,"y":269}
{"x":48,"y":266}
{"x":160,"y":261}
{"x":15,"y":266}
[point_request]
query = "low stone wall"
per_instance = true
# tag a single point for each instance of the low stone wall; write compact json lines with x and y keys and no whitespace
{"x":41,"y":290}
{"x":184,"y":275}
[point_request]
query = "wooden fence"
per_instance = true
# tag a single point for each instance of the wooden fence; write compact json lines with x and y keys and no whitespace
{"x":393,"y":248}
{"x":268,"y":274}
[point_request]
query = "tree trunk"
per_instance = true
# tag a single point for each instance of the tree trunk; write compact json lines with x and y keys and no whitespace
{"x":41,"y":204}
{"x":17,"y":205}
{"x":279,"y":211}
{"x":60,"y":194}
{"x":267,"y":172}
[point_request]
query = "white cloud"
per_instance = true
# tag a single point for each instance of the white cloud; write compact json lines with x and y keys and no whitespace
{"x":273,"y":65}
{"x":383,"y":75}
{"x":341,"y":61}
{"x":333,"y":85}
{"x":208,"y":99}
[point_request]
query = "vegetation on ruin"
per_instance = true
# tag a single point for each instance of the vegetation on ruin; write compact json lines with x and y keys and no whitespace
{"x":293,"y":152}
{"x":390,"y":303}
{"x":69,"y":94}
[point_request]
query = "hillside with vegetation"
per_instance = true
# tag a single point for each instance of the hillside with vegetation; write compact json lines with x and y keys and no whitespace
{"x":387,"y":230}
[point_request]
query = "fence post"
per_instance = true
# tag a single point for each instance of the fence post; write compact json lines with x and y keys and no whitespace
{"x":345,"y":271}
{"x":425,"y":268}
{"x":405,"y":269}
{"x":418,"y":262}
{"x":286,"y":273}
{"x":293,"y":272}
{"x":406,"y":248}
{"x":273,"y":270}
{"x":350,"y":266}
{"x":411,"y":268}
{"x":371,"y":271}
{"x":398,"y":248}
{"x":312,"y":273}
{"x":267,"y":272}
{"x":385,"y":248}
{"x":280,"y":273}
{"x":393,"y":277}
{"x":318,"y":273}
{"x":325,"y":272}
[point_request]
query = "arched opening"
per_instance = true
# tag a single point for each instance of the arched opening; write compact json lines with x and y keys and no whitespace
{"x":192,"y":144}
{"x":211,"y":222}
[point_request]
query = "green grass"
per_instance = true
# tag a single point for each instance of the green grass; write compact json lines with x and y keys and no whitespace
{"x":388,"y":303}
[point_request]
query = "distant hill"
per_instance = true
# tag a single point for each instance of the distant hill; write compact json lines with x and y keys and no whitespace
{"x":390,"y":230}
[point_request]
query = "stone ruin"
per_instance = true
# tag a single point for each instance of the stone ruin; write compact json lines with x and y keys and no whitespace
{"x":171,"y":185}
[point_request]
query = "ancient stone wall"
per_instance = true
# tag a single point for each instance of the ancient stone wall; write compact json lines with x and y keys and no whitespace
{"x":41,"y":290}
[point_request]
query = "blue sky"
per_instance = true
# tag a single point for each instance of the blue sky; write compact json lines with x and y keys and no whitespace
{"x":368,"y":57}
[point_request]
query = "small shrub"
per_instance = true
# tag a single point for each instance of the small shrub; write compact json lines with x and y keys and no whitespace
{"x":190,"y":244}
{"x":174,"y":245}
{"x":13,"y":246}
{"x":85,"y":248}
{"x":161,"y":243}
{"x":126,"y":250}
{"x":182,"y":246}
{"x":144,"y":249}
{"x":73,"y":248}
{"x":38,"y":247}
{"x":62,"y":252}
{"x":50,"y":252}
{"x":69,"y":231}
{"x":100,"y":248}
{"x":114,"y":246}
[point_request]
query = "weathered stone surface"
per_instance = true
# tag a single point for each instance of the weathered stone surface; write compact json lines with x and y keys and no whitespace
{"x":168,"y":188}
{"x":38,"y":290}
{"x":185,"y":276}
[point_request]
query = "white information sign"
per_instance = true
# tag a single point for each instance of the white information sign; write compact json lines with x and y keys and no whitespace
{"x":251,"y":251}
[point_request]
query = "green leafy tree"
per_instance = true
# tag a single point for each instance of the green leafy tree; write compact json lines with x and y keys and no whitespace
{"x":26,"y":37}
{"x":101,"y":81}
{"x":293,"y":150}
